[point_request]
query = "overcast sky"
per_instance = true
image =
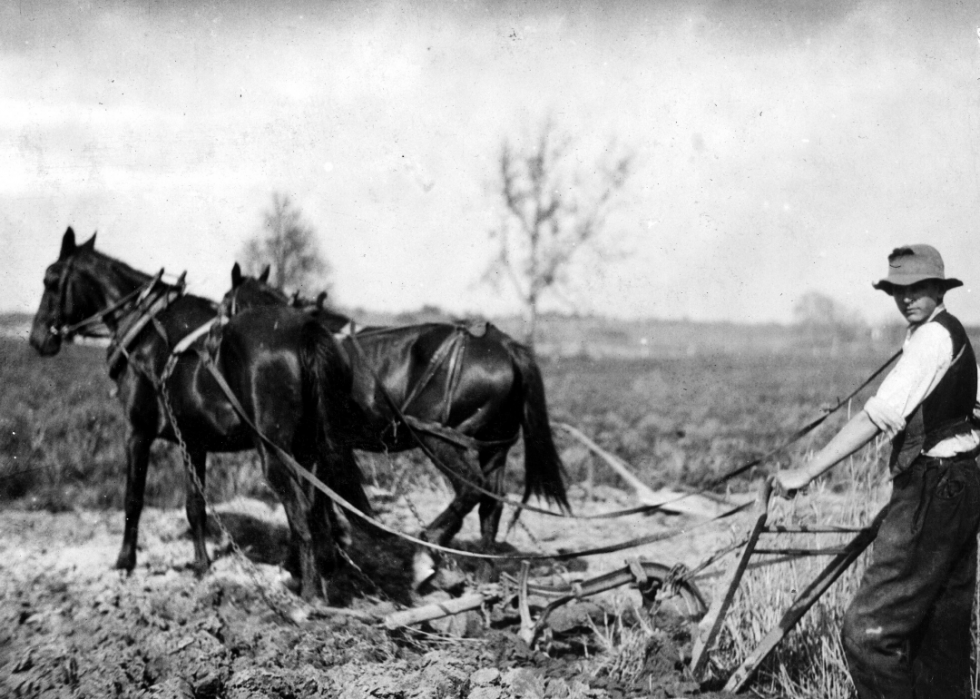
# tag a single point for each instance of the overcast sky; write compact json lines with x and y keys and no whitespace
{"x":782,"y":146}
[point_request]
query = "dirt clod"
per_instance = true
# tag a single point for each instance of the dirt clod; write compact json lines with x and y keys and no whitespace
{"x":72,"y":626}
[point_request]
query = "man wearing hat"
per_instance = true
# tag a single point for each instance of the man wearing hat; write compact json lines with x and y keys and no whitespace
{"x":907,"y":631}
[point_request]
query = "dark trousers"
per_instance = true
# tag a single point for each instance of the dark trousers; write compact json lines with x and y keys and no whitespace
{"x":907,"y":632}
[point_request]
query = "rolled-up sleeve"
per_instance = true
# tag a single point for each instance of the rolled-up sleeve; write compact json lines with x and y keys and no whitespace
{"x":976,"y":405}
{"x":925,"y":359}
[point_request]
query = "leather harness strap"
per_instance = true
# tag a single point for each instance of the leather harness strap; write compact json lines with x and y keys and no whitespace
{"x":450,"y":344}
{"x":453,"y":373}
{"x":450,"y":350}
{"x":120,"y":347}
{"x":182,"y":346}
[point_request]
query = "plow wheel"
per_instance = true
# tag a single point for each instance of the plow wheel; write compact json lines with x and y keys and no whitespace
{"x":668,"y":589}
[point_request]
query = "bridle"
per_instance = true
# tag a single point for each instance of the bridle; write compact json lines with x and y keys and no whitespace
{"x":59,"y":329}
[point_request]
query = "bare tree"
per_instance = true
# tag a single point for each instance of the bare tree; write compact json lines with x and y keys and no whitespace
{"x":289,"y":247}
{"x":552,"y":208}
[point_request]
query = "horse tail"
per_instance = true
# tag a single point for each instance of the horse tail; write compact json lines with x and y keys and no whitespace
{"x":543,"y":469}
{"x":329,"y":406}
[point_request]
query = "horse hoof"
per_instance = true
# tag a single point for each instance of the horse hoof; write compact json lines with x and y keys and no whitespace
{"x":485,"y":572}
{"x":125,"y":563}
{"x":424,"y":568}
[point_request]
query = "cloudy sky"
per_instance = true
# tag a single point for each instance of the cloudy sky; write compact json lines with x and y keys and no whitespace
{"x":781,"y":146}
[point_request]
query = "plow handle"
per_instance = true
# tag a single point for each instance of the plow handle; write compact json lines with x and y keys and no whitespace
{"x":712,"y":622}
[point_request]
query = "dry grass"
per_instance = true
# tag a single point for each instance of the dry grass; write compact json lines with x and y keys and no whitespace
{"x":809,"y":663}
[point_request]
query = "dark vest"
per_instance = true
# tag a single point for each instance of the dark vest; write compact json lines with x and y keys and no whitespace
{"x":945,"y":412}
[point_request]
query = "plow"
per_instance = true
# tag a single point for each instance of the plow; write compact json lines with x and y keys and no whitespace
{"x":658,"y":584}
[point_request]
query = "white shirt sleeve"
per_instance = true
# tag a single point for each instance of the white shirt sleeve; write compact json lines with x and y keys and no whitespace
{"x":976,"y":405}
{"x":926,"y":358}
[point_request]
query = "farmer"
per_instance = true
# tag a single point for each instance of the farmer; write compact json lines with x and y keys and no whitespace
{"x":907,"y":631}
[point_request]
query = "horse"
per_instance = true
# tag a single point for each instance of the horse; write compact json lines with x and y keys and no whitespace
{"x":460,"y":388}
{"x":293,"y":386}
{"x":171,"y":394}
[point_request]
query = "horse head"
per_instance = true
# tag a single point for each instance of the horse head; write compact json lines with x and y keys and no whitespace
{"x":249,"y":292}
{"x":69,"y":296}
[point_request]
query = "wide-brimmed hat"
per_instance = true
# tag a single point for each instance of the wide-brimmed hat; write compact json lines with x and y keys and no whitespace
{"x":911,"y":264}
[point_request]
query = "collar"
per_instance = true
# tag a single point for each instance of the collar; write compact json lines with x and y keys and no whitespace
{"x":913,"y":327}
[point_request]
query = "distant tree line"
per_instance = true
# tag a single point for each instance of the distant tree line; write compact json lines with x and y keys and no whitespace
{"x":825,"y":324}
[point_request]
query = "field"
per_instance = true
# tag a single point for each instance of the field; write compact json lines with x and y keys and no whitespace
{"x":73,"y":627}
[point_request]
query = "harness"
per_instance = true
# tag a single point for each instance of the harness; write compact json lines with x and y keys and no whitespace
{"x":148,"y":301}
{"x":449,"y":355}
{"x":451,"y":348}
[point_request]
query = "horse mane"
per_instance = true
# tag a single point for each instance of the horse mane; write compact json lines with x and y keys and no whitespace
{"x":332,"y":319}
{"x":319,"y":307}
{"x":122,"y":276}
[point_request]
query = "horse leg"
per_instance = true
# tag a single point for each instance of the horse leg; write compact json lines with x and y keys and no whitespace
{"x":321,"y":517}
{"x":346,"y":478}
{"x":330,"y":529}
{"x":194,"y":504}
{"x":293,"y":497}
{"x":137,"y":459}
{"x":454,"y":461}
{"x":492,"y":463}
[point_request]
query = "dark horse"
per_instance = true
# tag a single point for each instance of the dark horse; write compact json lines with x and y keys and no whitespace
{"x":477,"y":381}
{"x":281,"y":364}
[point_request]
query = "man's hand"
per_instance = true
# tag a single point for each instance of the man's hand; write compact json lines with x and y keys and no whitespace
{"x":786,"y":483}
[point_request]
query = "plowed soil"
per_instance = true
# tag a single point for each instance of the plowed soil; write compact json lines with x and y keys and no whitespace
{"x":71,"y":626}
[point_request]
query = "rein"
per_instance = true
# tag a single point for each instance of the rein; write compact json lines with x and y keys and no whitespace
{"x":806,"y":429}
{"x":306,"y":475}
{"x":796,"y":436}
{"x":414,"y":426}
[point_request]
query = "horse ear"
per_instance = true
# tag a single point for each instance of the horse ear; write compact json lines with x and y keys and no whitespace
{"x":264,"y":277}
{"x":67,"y":244}
{"x":320,"y":298}
{"x":88,"y":245}
{"x":236,"y":276}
